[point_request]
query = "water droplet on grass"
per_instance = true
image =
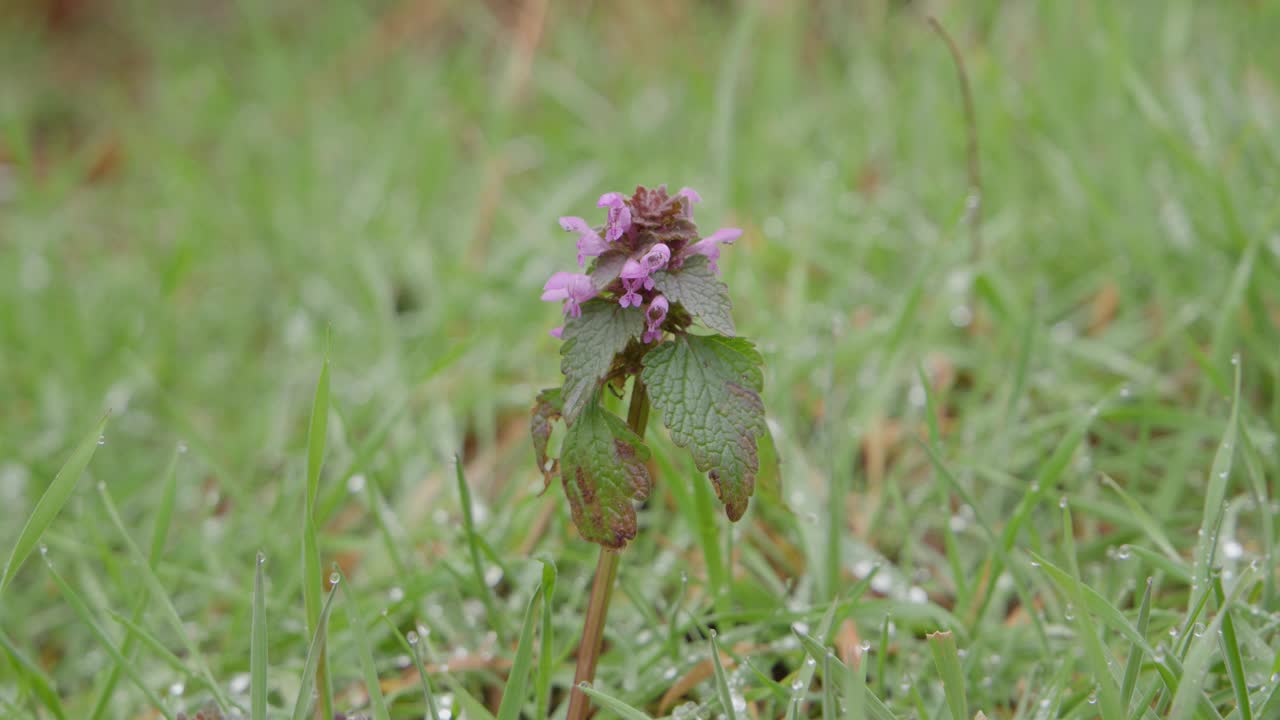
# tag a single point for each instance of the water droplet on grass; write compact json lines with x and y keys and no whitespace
{"x":961,"y":316}
{"x":1124,"y":552}
{"x":102,"y":439}
{"x":355,"y":484}
{"x":177,"y":689}
{"x":1070,"y":612}
{"x":412,"y":637}
{"x":334,"y":578}
{"x":1232,"y":550}
{"x":395,"y":594}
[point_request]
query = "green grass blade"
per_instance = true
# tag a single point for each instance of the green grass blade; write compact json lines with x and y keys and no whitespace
{"x":154,"y":644}
{"x":303,"y":701}
{"x":313,"y":578}
{"x":473,"y":546}
{"x":355,"y":620}
{"x":855,"y":689}
{"x":1144,"y":519}
{"x":546,"y":653}
{"x":51,"y":502}
{"x":469,"y":706}
{"x":1215,"y":494}
{"x":1095,"y":650}
{"x":1195,"y":670}
{"x":317,"y":433}
{"x":1134,"y":665}
{"x":1231,"y":654}
{"x":613,"y":704}
{"x":829,"y":687}
{"x":258,"y":645}
{"x":722,"y":680}
{"x":157,"y":590}
{"x":31,"y":674}
{"x":516,"y":692}
{"x":947,"y":660}
{"x":90,"y":623}
{"x":411,"y":647}
{"x":159,"y":536}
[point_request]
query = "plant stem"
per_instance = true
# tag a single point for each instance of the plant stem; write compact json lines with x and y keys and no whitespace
{"x":602,"y":586}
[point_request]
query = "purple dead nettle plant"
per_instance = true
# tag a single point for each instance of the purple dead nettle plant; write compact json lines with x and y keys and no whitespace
{"x":639,"y":314}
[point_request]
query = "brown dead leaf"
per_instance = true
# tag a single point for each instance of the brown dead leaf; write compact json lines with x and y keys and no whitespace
{"x":1103,"y":308}
{"x":848,"y":643}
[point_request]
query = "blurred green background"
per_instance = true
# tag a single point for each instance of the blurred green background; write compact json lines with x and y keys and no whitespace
{"x":199,"y":200}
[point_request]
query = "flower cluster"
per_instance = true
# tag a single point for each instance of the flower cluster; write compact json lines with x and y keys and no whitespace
{"x":642,"y":234}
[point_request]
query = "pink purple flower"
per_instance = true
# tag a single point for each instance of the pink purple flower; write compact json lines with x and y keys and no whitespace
{"x":631,"y":295}
{"x":710,"y":245}
{"x":590,"y":244}
{"x":653,"y":317}
{"x":619,"y":215}
{"x":691,"y":196}
{"x":573,"y":289}
{"x":641,"y":270}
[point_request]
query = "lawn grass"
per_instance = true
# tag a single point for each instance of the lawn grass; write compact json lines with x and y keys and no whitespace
{"x":205,"y":209}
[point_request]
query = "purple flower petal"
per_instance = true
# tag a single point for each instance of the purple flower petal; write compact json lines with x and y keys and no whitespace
{"x":710,"y":245}
{"x":630,"y":298}
{"x":619,"y":215}
{"x":557,"y":333}
{"x":654,"y":315}
{"x":590,"y":244}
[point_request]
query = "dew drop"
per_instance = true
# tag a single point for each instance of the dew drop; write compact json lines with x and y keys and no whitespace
{"x":584,"y":685}
{"x":669,"y":673}
{"x":714,"y":634}
{"x":800,"y":627}
{"x":1173,"y":632}
{"x":961,"y":316}
{"x":866,"y":646}
{"x":44,"y":552}
{"x":182,"y":448}
{"x":1070,"y":612}
{"x":334,"y":578}
{"x":810,"y":662}
{"x":1235,"y":359}
{"x":102,"y":439}
{"x":1197,"y":629}
{"x":739,"y":703}
{"x":797,"y":685}
{"x":355,"y":483}
{"x":412,"y":637}
{"x":1093,"y":697}
{"x":1124,"y":552}
{"x":177,"y":689}
{"x":917,"y":595}
{"x":1232,"y":550}
{"x":239,"y":684}
{"x":1062,"y":502}
{"x":1035,"y":563}
{"x":395,"y":594}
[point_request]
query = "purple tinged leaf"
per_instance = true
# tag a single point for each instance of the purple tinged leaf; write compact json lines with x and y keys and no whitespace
{"x":604,"y":472}
{"x":546,"y":410}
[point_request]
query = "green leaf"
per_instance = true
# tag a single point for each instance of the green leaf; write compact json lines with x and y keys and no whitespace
{"x":603,"y":465}
{"x":700,"y":292}
{"x":51,"y":502}
{"x":546,"y":410}
{"x":590,"y":343}
{"x":708,"y":391}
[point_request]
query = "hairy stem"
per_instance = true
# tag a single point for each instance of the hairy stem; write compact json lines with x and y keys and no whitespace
{"x":602,"y":587}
